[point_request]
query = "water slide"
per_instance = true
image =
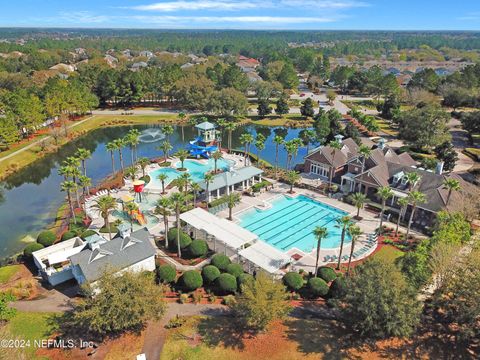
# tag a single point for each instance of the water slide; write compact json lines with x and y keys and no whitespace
{"x":141,"y":219}
{"x":203,"y":151}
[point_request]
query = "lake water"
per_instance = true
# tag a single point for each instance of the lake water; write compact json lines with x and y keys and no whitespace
{"x":30,"y":198}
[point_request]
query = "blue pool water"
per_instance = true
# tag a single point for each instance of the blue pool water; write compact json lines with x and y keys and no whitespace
{"x":289,"y":223}
{"x":196,"y":170}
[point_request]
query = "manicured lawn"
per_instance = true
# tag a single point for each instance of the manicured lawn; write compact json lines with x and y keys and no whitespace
{"x":386,"y":127}
{"x":389,"y":253}
{"x":30,"y":326}
{"x":7,"y":272}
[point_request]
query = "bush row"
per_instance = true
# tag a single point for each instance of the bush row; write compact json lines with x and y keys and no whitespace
{"x":317,"y":285}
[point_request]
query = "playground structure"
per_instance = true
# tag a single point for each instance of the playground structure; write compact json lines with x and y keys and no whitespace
{"x":206,"y":142}
{"x":136,"y":215}
{"x":138,"y":186}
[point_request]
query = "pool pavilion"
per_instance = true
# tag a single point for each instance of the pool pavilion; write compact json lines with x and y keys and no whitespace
{"x":234,"y":241}
{"x":229,"y":181}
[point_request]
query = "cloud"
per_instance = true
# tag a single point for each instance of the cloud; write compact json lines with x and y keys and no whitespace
{"x":471,"y":16}
{"x":238,"y":5}
{"x":80,"y":17}
{"x":231,"y":19}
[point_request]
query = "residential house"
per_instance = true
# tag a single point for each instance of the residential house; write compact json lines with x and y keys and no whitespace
{"x":86,"y":260}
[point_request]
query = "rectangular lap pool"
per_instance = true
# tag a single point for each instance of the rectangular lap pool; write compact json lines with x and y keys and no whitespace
{"x":289,"y":223}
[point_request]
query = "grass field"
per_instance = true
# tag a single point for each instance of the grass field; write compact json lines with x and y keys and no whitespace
{"x":389,"y":253}
{"x":7,"y":272}
{"x":30,"y":326}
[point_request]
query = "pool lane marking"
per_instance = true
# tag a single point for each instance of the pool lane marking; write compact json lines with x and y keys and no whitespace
{"x":296,"y":241}
{"x":274,"y":213}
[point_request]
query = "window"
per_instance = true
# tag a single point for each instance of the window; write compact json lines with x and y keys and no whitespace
{"x":318,"y":170}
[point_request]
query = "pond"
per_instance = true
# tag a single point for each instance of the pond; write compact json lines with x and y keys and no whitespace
{"x":30,"y":198}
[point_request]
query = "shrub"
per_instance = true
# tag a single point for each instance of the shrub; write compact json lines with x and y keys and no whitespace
{"x":166,"y":274}
{"x":212,"y":298}
{"x":183,"y":298}
{"x":337,"y":288}
{"x":210,"y":273}
{"x":235,"y":269}
{"x":326,"y":273}
{"x":191,"y":280}
{"x":317,"y":287}
{"x":221,"y":261}
{"x":46,"y":238}
{"x":229,"y":300}
{"x":185,"y":240}
{"x":293,"y":280}
{"x":87,"y":233}
{"x":244,"y":278}
{"x":198,"y":248}
{"x":227,"y":283}
{"x":197,"y":297}
{"x":68,"y":235}
{"x":30,"y":248}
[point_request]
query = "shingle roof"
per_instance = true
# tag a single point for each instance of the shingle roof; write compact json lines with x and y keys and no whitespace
{"x":335,"y":157}
{"x":205,"y":126}
{"x":118,"y":253}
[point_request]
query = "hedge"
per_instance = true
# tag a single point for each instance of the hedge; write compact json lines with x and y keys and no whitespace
{"x":185,"y":240}
{"x":226,"y":283}
{"x":221,"y":261}
{"x":293,"y":280}
{"x":337,"y":288}
{"x":68,"y":235}
{"x":219,"y":201}
{"x":210,"y":273}
{"x":326,"y":273}
{"x":46,"y":238}
{"x":191,"y":280}
{"x":30,"y":248}
{"x":87,"y":233}
{"x":244,"y":278}
{"x":198,"y":248}
{"x":317,"y":287}
{"x":166,"y":274}
{"x":235,"y":269}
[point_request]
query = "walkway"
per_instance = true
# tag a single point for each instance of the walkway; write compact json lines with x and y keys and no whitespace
{"x":460,"y":141}
{"x":38,"y":141}
{"x":50,"y":301}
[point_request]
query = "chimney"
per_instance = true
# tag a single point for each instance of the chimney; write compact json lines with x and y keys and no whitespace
{"x":381,"y":143}
{"x":339,"y":138}
{"x":439,"y":168}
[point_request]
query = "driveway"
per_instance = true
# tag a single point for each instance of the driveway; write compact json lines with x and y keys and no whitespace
{"x":460,"y":141}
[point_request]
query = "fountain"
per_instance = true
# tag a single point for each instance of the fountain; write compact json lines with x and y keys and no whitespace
{"x":151,"y":135}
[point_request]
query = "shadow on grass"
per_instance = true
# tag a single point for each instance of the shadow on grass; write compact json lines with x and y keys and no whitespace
{"x":224,"y":331}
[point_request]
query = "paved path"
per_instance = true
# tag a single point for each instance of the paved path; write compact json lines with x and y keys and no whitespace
{"x":38,"y":141}
{"x":50,"y":301}
{"x":155,"y":333}
{"x":460,"y":141}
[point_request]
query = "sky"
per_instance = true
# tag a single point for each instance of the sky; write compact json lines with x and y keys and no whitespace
{"x":245,"y":14}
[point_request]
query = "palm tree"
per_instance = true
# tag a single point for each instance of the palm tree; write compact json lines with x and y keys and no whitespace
{"x":83,"y":154}
{"x":412,"y":178}
{"x":230,"y":126}
{"x":307,"y":136}
{"x":65,"y":171}
{"x":163,"y":208}
{"x":208,"y":178}
{"x":344,"y":222}
{"x":383,"y":193}
{"x":182,"y":116}
{"x":85,"y":182}
{"x":451,"y":185}
{"x":162,"y":177}
{"x":354,"y":232}
{"x":365,"y":152}
{"x":233,"y":199}
{"x":165,"y":146}
{"x":414,"y":198}
{"x":320,"y":233}
{"x":182,"y":182}
{"x":195,"y":189}
{"x":131,"y":207}
{"x":111,"y":148}
{"x":134,"y":140}
{"x":119,"y":145}
{"x":246,"y":139}
{"x":105,"y":204}
{"x":143,"y":163}
{"x":217,"y":155}
{"x":68,"y":186}
{"x":221,"y":124}
{"x":403,"y":202}
{"x":260,"y":145}
{"x":182,"y":154}
{"x":177,"y":201}
{"x":358,"y":200}
{"x":278,"y":140}
{"x":292,"y":178}
{"x":334,"y":145}
{"x":167,"y":130}
{"x":131,"y":172}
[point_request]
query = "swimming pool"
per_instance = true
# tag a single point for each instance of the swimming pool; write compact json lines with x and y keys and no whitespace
{"x":290,"y":222}
{"x":196,"y":170}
